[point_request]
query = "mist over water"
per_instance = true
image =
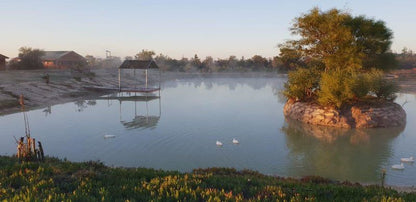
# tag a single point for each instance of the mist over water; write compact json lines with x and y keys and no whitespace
{"x":179,"y":132}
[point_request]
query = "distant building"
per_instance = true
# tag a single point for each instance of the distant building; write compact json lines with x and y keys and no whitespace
{"x":3,"y":61}
{"x":62,"y":59}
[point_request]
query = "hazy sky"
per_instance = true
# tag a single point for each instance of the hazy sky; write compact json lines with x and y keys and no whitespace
{"x":219,"y":28}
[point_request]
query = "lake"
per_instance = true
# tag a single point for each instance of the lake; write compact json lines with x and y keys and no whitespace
{"x":179,"y":132}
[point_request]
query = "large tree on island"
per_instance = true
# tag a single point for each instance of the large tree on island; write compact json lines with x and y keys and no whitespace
{"x":336,"y":54}
{"x":339,"y":40}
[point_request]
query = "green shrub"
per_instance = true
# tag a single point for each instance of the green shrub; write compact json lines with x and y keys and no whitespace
{"x":302,"y":84}
{"x":335,"y":89}
{"x":342,"y":86}
{"x":382,"y":87}
{"x":357,"y":84}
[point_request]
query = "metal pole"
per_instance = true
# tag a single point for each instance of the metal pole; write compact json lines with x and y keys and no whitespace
{"x":146,"y":77}
{"x":147,"y":113}
{"x":120,"y":110}
{"x":160,"y":106}
{"x":119,"y":80}
{"x":160,"y":79}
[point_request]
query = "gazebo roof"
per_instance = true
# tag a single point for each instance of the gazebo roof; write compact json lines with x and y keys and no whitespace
{"x":138,"y":64}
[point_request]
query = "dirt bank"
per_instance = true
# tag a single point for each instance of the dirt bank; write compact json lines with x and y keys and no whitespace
{"x":64,"y":86}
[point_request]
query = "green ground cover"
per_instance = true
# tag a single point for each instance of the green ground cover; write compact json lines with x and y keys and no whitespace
{"x":57,"y":180}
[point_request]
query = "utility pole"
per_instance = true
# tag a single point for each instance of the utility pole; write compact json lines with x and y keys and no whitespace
{"x":107,"y":54}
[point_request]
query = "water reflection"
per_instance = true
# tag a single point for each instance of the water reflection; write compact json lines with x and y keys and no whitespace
{"x":47,"y":111}
{"x":140,"y":121}
{"x":353,"y":154}
{"x":230,"y":83}
{"x":83,"y":104}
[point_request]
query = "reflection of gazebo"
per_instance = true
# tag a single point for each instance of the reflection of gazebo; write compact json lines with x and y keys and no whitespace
{"x":142,"y":121}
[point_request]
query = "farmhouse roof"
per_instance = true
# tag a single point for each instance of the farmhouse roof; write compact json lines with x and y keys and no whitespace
{"x":54,"y":55}
{"x":138,"y":64}
{"x":3,"y":56}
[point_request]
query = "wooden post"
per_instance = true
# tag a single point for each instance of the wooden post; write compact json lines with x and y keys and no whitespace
{"x":29,"y":143}
{"x":20,"y":148}
{"x":42,"y":156}
{"x":22,"y":102}
{"x":33,"y":146}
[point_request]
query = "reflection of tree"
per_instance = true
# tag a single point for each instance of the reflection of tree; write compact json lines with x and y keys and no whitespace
{"x":254,"y":82}
{"x":83,"y":104}
{"x":48,"y":110}
{"x":353,"y":154}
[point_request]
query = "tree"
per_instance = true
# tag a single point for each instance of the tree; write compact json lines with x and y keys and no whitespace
{"x":196,"y":62}
{"x":342,"y":53}
{"x":91,"y":60}
{"x":259,"y":61}
{"x":209,"y":65}
{"x":373,"y":40}
{"x":339,"y":41}
{"x":145,"y":55}
{"x":29,"y":59}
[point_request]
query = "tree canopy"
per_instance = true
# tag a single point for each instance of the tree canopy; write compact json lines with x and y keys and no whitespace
{"x":339,"y":41}
{"x":29,"y":59}
{"x":145,"y":55}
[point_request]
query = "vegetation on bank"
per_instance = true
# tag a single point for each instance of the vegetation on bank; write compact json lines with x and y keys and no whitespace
{"x":339,"y":59}
{"x":57,"y":180}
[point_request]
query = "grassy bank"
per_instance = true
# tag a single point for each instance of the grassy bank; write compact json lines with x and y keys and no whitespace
{"x":92,"y":181}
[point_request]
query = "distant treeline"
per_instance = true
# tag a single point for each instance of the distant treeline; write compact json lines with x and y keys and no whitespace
{"x":404,"y":60}
{"x":31,"y":59}
{"x":209,"y":64}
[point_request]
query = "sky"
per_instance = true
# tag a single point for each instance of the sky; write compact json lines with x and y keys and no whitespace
{"x":180,"y":28}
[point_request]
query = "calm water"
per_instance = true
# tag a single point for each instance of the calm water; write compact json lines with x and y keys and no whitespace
{"x":179,"y":131}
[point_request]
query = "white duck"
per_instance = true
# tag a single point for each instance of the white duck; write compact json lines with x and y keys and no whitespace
{"x":398,"y":167}
{"x":235,"y":141}
{"x":109,"y":136}
{"x":219,"y":143}
{"x":408,"y":160}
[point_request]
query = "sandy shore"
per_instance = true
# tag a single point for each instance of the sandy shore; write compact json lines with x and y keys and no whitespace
{"x":61,"y":88}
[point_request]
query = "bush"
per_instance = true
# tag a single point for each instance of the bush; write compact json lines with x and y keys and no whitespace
{"x":358,"y":85}
{"x":342,"y":86}
{"x":302,"y":84}
{"x":381,"y":87}
{"x":335,"y":88}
